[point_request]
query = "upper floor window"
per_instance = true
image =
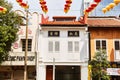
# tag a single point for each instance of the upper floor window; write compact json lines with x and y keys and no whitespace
{"x":53,"y":33}
{"x":24,"y":44}
{"x":117,"y":49}
{"x":73,"y":46}
{"x":100,"y":44}
{"x":73,"y":33}
{"x":53,"y":46}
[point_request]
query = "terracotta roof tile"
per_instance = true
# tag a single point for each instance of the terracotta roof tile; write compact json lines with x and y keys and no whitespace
{"x":60,"y":23}
{"x":103,"y":22}
{"x":64,"y":17}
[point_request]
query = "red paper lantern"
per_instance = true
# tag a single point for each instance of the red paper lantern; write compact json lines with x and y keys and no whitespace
{"x":67,"y":5}
{"x":87,"y":10}
{"x":1,"y":8}
{"x":24,"y":5}
{"x":43,"y":6}
{"x":68,"y":1}
{"x":90,"y":8}
{"x":93,"y":4}
{"x":43,"y":3}
{"x":97,"y":1}
{"x":19,"y":1}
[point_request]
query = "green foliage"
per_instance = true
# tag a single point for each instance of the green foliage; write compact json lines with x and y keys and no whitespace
{"x":9,"y":23}
{"x":99,"y":64}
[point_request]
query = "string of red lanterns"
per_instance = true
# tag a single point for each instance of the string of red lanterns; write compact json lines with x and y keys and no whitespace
{"x":22,"y":4}
{"x":92,"y":6}
{"x":2,"y":9}
{"x":43,"y":6}
{"x":67,"y":5}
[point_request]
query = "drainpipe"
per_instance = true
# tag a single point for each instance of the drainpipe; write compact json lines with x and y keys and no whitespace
{"x":89,"y":46}
{"x":36,"y":46}
{"x":85,"y":21}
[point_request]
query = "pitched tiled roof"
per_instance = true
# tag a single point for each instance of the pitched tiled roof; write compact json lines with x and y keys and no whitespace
{"x":103,"y":22}
{"x":64,"y":17}
{"x":63,"y":23}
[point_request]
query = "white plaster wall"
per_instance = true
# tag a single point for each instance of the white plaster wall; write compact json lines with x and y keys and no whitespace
{"x":33,"y":25}
{"x":63,"y":55}
{"x":84,"y":72}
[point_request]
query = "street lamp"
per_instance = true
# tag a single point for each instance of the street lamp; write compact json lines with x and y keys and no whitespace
{"x":25,"y":6}
{"x":26,"y":47}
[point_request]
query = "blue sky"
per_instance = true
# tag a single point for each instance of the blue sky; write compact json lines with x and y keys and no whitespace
{"x":56,"y":7}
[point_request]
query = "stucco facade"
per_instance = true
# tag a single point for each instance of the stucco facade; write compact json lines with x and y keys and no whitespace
{"x":13,"y":67}
{"x":60,"y":55}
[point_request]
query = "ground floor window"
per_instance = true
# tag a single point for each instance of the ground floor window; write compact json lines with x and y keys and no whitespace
{"x":64,"y":73}
{"x":17,"y":72}
{"x":5,"y":75}
{"x":115,"y":77}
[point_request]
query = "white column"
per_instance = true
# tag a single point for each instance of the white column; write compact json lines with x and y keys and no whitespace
{"x":84,"y":72}
{"x":41,"y":73}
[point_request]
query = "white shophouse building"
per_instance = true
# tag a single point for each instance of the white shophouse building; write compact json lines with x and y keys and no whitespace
{"x":13,"y":67}
{"x":62,"y":49}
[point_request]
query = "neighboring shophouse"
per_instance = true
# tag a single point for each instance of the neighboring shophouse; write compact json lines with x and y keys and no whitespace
{"x":105,"y":34}
{"x":13,"y":67}
{"x":62,"y":49}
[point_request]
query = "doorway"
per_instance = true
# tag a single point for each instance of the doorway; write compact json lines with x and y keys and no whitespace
{"x":64,"y":73}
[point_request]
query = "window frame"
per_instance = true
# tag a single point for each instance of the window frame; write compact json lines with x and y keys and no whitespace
{"x":73,"y":32}
{"x":73,"y":47}
{"x":106,"y":45}
{"x":100,"y":44}
{"x":116,"y":50}
{"x":53,"y":33}
{"x":24,"y":44}
{"x":54,"y":47}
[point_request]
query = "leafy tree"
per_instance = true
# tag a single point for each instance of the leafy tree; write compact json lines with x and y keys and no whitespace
{"x":99,"y":64}
{"x":9,"y":22}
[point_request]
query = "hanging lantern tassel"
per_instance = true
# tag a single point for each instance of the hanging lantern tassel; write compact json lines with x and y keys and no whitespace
{"x":104,"y":10}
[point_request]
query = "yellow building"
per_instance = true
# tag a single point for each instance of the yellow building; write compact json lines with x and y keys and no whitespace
{"x":105,"y":34}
